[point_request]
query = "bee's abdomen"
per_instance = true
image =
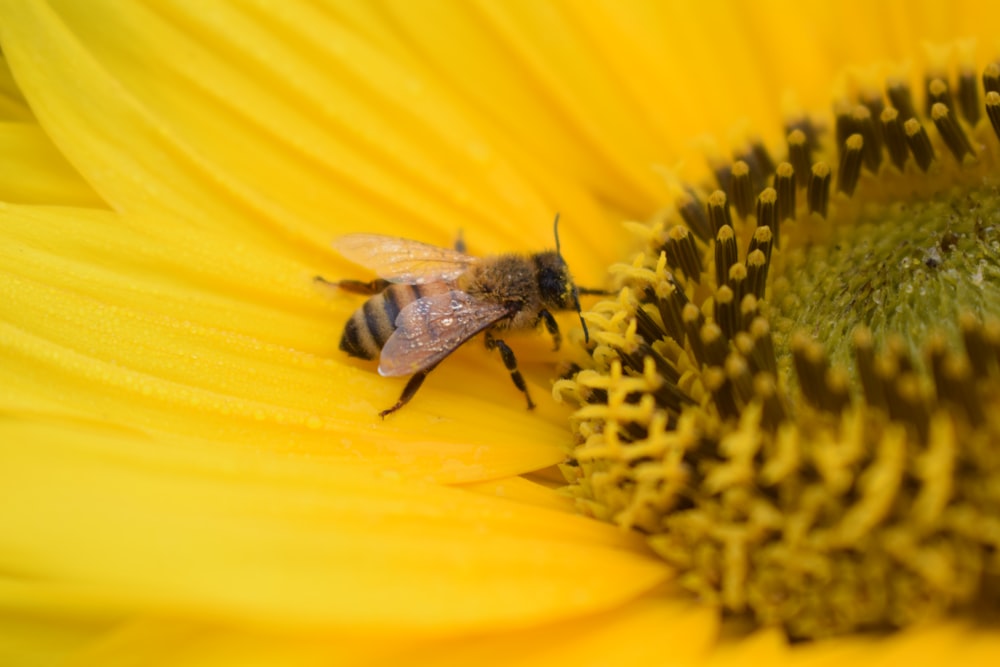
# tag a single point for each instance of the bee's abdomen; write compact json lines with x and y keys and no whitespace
{"x":356,"y":339}
{"x":371,"y":325}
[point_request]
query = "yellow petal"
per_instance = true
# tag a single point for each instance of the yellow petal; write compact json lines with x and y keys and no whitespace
{"x":27,"y":639}
{"x":644,"y":631}
{"x":108,"y":521}
{"x":163,"y":327}
{"x":288,"y":122}
{"x":13,"y":106}
{"x":522,"y":490}
{"x":33,"y":171}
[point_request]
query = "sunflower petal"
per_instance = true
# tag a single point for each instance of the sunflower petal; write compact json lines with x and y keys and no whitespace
{"x":282,"y":120}
{"x":33,"y":171}
{"x":159,"y":326}
{"x":13,"y":106}
{"x":644,"y":631}
{"x":104,"y":521}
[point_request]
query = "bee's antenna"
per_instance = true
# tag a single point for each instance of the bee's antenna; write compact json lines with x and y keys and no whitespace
{"x":555,"y":231}
{"x":576,"y":294}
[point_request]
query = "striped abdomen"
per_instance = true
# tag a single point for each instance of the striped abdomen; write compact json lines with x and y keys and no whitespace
{"x":371,"y":325}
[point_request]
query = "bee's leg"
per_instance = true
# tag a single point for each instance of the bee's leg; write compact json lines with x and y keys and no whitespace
{"x":356,"y":286}
{"x":409,"y":390}
{"x":510,"y":361}
{"x":552,"y":328}
{"x":460,"y":242}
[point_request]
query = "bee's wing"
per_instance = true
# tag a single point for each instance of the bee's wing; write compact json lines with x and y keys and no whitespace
{"x":432,"y":327}
{"x":401,"y":260}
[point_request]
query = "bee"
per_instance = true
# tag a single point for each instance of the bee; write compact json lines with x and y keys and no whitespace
{"x":429,"y":300}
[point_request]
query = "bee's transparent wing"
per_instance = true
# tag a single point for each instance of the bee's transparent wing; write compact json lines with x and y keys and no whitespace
{"x":432,"y":327}
{"x":402,"y":260}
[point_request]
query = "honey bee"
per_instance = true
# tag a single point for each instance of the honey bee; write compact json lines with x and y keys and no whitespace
{"x":428,"y":301}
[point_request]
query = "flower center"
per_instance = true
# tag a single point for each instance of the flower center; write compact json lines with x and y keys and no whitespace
{"x":794,"y":394}
{"x":902,"y":270}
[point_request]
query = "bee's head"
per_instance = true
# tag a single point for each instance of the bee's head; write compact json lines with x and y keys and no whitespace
{"x":555,"y":284}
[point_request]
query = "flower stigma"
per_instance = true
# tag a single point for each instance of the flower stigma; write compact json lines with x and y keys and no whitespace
{"x":793,"y":396}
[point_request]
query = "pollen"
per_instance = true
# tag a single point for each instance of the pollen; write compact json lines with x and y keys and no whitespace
{"x":794,"y":395}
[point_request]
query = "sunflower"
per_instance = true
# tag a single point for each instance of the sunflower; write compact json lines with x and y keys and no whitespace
{"x":194,"y":474}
